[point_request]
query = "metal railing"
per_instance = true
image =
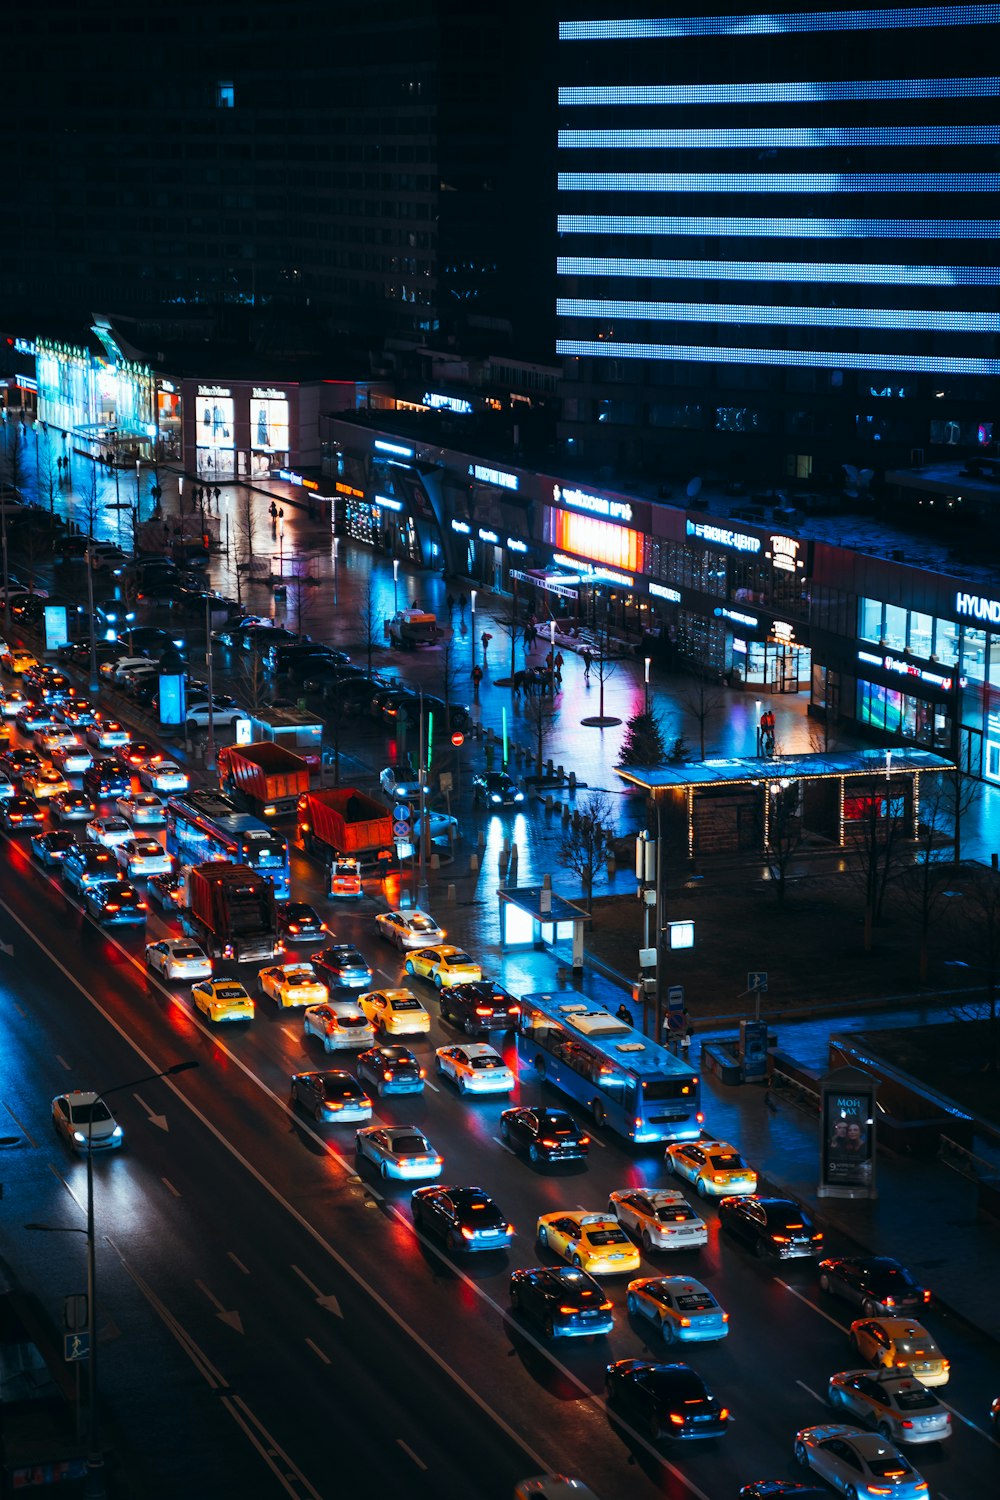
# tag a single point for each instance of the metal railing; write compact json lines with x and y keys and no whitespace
{"x":965,"y":1162}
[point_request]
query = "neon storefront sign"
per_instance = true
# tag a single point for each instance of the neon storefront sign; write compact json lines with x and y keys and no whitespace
{"x":396,"y":449}
{"x":736,"y":616}
{"x":978,"y":607}
{"x":498,"y":477}
{"x":597,"y":505}
{"x":785,"y":553}
{"x":722,"y":536}
{"x":906,"y":668}
{"x":660,"y":591}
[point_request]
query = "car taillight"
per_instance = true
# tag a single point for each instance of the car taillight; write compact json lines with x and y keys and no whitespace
{"x":906,"y":1422}
{"x":293,"y":926}
{"x":509,"y":1228}
{"x":685,"y":1322}
{"x":725,"y":1317}
{"x":140,"y":906}
{"x":889,"y":1301}
{"x":423,"y":1073}
{"x":700,"y":1118}
{"x":606,"y":1306}
{"x":677,"y":1419}
{"x":724,"y":1414}
{"x":927,"y":1296}
{"x":548,"y":1143}
{"x":111,"y":906}
{"x":585,"y":1140}
{"x":513,"y":1010}
{"x":467,"y":1234}
{"x":780,"y":1239}
{"x":569,"y":1310}
{"x":484,"y":1010}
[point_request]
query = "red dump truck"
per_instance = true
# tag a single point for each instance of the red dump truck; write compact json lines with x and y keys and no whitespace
{"x":342,"y":823}
{"x":268,"y":779}
{"x":230,"y":911}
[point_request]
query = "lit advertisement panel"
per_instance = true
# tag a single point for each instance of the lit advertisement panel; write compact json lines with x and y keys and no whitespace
{"x":597,"y":541}
{"x":214,"y":416}
{"x":269,"y":421}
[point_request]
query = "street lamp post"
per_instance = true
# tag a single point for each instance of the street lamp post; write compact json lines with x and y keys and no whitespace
{"x":94,"y":683}
{"x":210,"y":738}
{"x":649,"y":662}
{"x":138,"y":491}
{"x":94,"y":1485}
{"x":3,"y":530}
{"x":336,"y":548}
{"x":395,"y":585}
{"x":281,"y":543}
{"x":473,"y":595}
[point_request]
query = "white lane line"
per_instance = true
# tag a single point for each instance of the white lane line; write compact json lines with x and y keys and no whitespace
{"x":411,"y":1455}
{"x":810,"y":1392}
{"x":293,"y":1036}
{"x":504,"y":1146}
{"x":818,"y":1310}
{"x":21,"y":1128}
{"x":269,"y":1449}
{"x":170,"y":1187}
{"x":432,"y":1086}
{"x":968,"y":1423}
{"x":237,"y":1262}
{"x":64,"y":1063}
{"x":318,"y":1352}
{"x":213,"y":1377}
{"x":231,"y":1319}
{"x":385,"y":975}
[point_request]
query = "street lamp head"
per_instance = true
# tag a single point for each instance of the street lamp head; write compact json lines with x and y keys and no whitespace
{"x":182,"y":1067}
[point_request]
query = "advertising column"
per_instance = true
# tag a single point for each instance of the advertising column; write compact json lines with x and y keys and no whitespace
{"x":847,"y":1142}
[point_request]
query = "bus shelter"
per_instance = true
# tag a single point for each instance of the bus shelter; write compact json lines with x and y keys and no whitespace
{"x":533,"y":916}
{"x":731,"y":806}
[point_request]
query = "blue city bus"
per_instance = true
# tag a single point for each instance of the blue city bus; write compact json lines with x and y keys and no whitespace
{"x":623,"y":1078}
{"x":205,"y":825}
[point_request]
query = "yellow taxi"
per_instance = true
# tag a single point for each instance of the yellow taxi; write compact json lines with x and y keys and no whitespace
{"x":222,"y":1000}
{"x":16,"y":661}
{"x":715,"y":1169}
{"x":345,"y":879}
{"x":594,"y":1242}
{"x":898,"y":1343}
{"x":444,"y":966}
{"x":293,"y":985}
{"x":395,"y":1012}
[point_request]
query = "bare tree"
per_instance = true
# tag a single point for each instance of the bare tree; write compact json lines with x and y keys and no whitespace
{"x":588,"y":842}
{"x":538,"y":713}
{"x":701,"y":699}
{"x":90,"y":500}
{"x":303,"y":601}
{"x":250,"y":679}
{"x":877,"y":846}
{"x":924,"y":887}
{"x":604,"y":663}
{"x":982,"y":915}
{"x":246,"y":524}
{"x":14,"y":454}
{"x":449,"y":678}
{"x":784,"y":831}
{"x":47,"y":476}
{"x":371,"y":620}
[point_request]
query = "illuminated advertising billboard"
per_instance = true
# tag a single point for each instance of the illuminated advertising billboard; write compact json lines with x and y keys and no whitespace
{"x":599,"y":541}
{"x":847,"y":1143}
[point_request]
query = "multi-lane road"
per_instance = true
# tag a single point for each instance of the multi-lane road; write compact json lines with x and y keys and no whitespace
{"x":323,"y":1341}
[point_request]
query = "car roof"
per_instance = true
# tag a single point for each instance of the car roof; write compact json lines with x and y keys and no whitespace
{"x":902,"y":1328}
{"x":479,"y":1049}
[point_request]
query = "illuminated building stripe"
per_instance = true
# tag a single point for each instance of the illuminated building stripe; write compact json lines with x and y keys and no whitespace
{"x":937,"y":364}
{"x":779,"y":93}
{"x":911,"y":19}
{"x":776,"y":137}
{"x":795,"y":317}
{"x":779,"y":182}
{"x":775,"y":270}
{"x":806,"y":229}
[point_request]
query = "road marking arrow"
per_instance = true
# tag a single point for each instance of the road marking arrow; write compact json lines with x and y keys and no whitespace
{"x":159,"y":1120}
{"x":231,"y":1319}
{"x":326,"y":1300}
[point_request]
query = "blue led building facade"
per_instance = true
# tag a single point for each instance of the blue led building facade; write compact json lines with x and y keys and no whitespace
{"x":777,"y":236}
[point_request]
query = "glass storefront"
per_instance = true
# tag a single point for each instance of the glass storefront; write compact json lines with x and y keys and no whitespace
{"x":902,"y":714}
{"x":269,"y":427}
{"x":216,"y":430}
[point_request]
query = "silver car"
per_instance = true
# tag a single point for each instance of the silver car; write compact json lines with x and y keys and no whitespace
{"x":85,"y":1122}
{"x":858,"y":1463}
{"x":400,"y":1151}
{"x":661,"y":1218}
{"x":893,"y":1402}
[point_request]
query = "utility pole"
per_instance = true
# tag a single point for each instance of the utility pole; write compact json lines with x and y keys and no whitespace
{"x":210,"y":739}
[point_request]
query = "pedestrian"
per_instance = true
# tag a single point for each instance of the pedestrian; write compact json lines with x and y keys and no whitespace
{"x":461,"y":604}
{"x":624,"y":1014}
{"x":587,"y":659}
{"x":477,"y":677}
{"x":687,"y":1028}
{"x":450,"y":601}
{"x":559,"y":664}
{"x":218,"y":494}
{"x":769,"y":1103}
{"x":485,"y":638}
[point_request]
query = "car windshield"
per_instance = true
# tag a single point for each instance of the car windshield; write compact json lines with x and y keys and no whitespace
{"x":457,"y":958}
{"x":727,"y":1161}
{"x":696,"y":1302}
{"x":339,"y":1088}
{"x":785,"y":1218}
{"x":679,"y":1387}
{"x":483,"y":1063}
{"x":346,"y":1022}
{"x":678,"y":1213}
{"x":85,"y":1114}
{"x":298,"y":911}
{"x":891,"y":1279}
{"x":422,"y":924}
{"x":924,"y":1349}
{"x":607,"y":1237}
{"x":406,"y":1003}
{"x":410,"y":1145}
{"x":295,"y":979}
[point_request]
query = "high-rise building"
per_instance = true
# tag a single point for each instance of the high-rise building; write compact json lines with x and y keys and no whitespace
{"x":777,"y":236}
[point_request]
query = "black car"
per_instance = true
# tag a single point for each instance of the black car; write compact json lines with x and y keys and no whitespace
{"x":497,"y":789}
{"x":87,"y":865}
{"x":300,"y":923}
{"x":342,"y":965}
{"x":106,"y":778}
{"x":332,"y":1095}
{"x":875,"y":1283}
{"x":20,"y":814}
{"x":325,"y":677}
{"x":782,"y":1489}
{"x":667,"y":1401}
{"x":52,"y":848}
{"x":18,"y":763}
{"x":391,"y":1069}
{"x":167,"y":891}
{"x":565,"y":1301}
{"x":546,"y":1134}
{"x":466,"y":1218}
{"x":293,"y":656}
{"x":482,"y":1006}
{"x":114,"y":901}
{"x":354,"y":694}
{"x":770,"y":1226}
{"x":455,"y":715}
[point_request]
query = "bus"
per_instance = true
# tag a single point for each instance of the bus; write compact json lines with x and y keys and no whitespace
{"x":623,"y":1078}
{"x":206,"y":825}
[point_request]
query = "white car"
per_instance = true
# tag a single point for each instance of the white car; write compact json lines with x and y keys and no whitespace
{"x":660,"y":1218}
{"x":85,"y":1123}
{"x":400,"y":782}
{"x":894,"y":1402}
{"x":72,"y":759}
{"x":142,"y":809}
{"x":7,"y":787}
{"x":44,"y":783}
{"x":442,"y":828}
{"x":178,"y":958}
{"x":164,"y":776}
{"x":142,"y":857}
{"x":54,"y":736}
{"x":108,"y":831}
{"x":408,"y":929}
{"x":399,"y":1151}
{"x":680,"y":1307}
{"x":106,"y":734}
{"x":476,"y":1068}
{"x":223,"y":716}
{"x":121,"y":664}
{"x":858,"y":1463}
{"x":339,"y":1024}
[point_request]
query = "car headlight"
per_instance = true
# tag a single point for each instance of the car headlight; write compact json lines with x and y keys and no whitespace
{"x":518,"y":796}
{"x":117,"y":1133}
{"x":80,"y":1139}
{"x":495,"y":797}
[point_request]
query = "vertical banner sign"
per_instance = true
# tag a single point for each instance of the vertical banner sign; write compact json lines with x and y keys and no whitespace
{"x":56,"y":632}
{"x":847,"y":1146}
{"x":173,"y":709}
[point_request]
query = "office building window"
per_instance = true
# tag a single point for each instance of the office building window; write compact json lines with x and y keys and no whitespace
{"x":225,"y":96}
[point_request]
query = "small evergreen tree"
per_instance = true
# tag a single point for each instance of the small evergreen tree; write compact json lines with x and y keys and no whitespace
{"x":644,"y":744}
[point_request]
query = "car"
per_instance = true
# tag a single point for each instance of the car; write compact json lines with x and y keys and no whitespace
{"x":771,"y":1226}
{"x":553,"y":1487}
{"x":782,"y":1489}
{"x":664,"y":1401}
{"x":105,"y":778}
{"x":594,"y":1242}
{"x":400,"y":703}
{"x":13,"y":701}
{"x":339,"y":1024}
{"x":717,"y":1170}
{"x":680,"y":1307}
{"x":114,"y":901}
{"x":17,"y":763}
{"x":475,"y":1068}
{"x":222,"y":1000}
{"x":142,"y":857}
{"x":73,"y":807}
{"x":130,"y":756}
{"x":395,"y":1013}
{"x":390,"y":1070}
{"x":52,"y":848}
{"x":495,"y":789}
{"x":466,"y":1218}
{"x":292,"y":985}
{"x":345,"y":880}
{"x":400,"y":1151}
{"x":72,"y":759}
{"x":547,"y":1135}
{"x":660,"y":1218}
{"x":894,"y":1402}
{"x":298,"y":922}
{"x":33,"y":718}
{"x":342,"y":966}
{"x":109,"y":831}
{"x":75,"y":713}
{"x":19,"y":814}
{"x":564,"y":1302}
{"x":450,"y":716}
{"x":408,"y":929}
{"x":895,"y":1342}
{"x":995,"y":1414}
{"x":875,"y":1283}
{"x":222,"y":715}
{"x":858,"y":1463}
{"x":85,"y":1122}
{"x":400,"y":782}
{"x":167,"y":891}
{"x":142,"y":809}
{"x":106,"y":734}
{"x":163,"y":776}
{"x":444,"y":966}
{"x":442,"y":828}
{"x":178,"y":958}
{"x":44,"y":784}
{"x":7,"y":787}
{"x":16,"y":660}
{"x":89,"y":864}
{"x":479,"y":1008}
{"x":331,"y":1096}
{"x":55,"y":737}
{"x":112,"y":668}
